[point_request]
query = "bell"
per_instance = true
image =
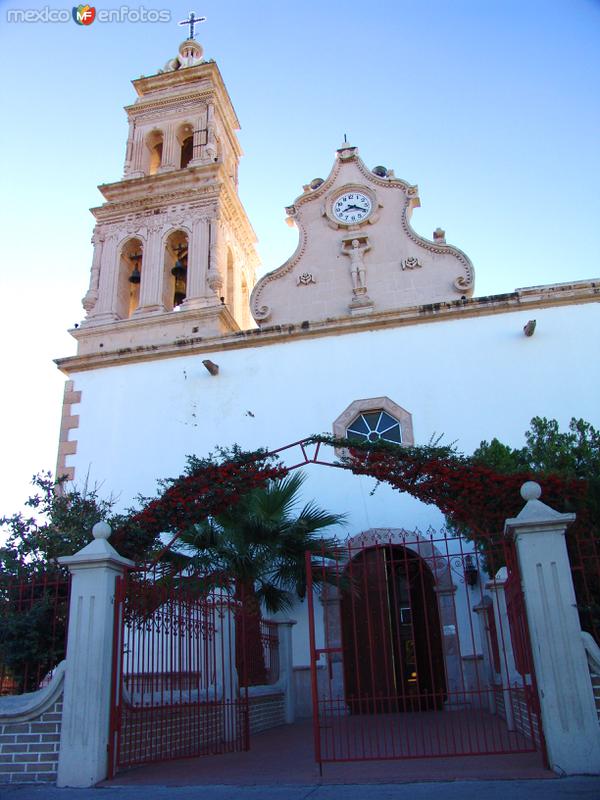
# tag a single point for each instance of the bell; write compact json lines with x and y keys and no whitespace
{"x":179,"y":293}
{"x":136,"y":275}
{"x":178,"y":270}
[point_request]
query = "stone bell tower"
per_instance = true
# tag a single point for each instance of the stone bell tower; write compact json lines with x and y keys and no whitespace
{"x":174,"y":252}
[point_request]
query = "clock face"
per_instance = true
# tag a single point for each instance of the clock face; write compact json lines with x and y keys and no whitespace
{"x":352,"y":207}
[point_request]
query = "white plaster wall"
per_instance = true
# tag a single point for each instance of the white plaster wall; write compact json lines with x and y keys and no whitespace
{"x":468,"y":379}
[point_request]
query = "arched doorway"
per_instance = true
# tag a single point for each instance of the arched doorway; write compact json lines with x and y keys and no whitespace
{"x":391,"y":636}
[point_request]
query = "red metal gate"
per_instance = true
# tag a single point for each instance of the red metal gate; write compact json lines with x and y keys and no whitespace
{"x":179,"y":687}
{"x":413,"y":657}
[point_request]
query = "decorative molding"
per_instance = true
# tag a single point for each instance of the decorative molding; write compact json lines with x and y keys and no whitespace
{"x":438,"y":562}
{"x":305,"y":279}
{"x":462,"y":284}
{"x":411,"y":262}
{"x":555,"y":295}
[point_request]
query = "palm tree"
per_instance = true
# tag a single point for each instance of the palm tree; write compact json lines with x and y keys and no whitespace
{"x":258,"y":547}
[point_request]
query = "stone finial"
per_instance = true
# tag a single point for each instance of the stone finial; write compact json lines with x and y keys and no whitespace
{"x":101,"y":530}
{"x":439,"y":236}
{"x":531,"y":490}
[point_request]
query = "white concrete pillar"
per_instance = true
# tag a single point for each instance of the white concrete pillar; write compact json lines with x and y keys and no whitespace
{"x":226,"y":675}
{"x":83,"y":756}
{"x":286,"y":666}
{"x":569,"y":715}
{"x":481,"y":610}
{"x":508,"y":668}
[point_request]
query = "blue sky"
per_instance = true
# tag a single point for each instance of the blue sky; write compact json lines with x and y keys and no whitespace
{"x":490,"y":106}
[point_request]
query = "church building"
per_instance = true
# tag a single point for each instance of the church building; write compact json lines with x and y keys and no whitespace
{"x":367,"y":330}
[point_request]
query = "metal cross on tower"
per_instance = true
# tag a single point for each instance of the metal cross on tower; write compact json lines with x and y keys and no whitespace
{"x":192,"y":21}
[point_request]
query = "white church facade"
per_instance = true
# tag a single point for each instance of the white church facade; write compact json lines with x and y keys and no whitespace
{"x":368,"y":328}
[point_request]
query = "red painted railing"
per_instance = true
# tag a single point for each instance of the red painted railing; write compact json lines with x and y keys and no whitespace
{"x":33,"y":629}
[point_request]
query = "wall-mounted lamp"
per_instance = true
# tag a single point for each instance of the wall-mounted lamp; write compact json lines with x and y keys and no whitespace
{"x":211,"y":366}
{"x":529,"y":328}
{"x":471,"y":572}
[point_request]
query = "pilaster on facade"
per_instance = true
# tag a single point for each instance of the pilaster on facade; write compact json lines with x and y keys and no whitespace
{"x":67,"y":446}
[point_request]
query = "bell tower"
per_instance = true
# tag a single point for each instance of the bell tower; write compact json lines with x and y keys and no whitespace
{"x":174,"y":252}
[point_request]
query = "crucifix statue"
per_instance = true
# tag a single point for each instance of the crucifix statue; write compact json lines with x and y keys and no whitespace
{"x":192,"y":21}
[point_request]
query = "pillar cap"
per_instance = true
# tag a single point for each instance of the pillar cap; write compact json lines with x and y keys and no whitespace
{"x":536,"y":515}
{"x":98,"y":553}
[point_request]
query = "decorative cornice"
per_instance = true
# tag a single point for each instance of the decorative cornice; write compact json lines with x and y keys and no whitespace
{"x":524,"y":299}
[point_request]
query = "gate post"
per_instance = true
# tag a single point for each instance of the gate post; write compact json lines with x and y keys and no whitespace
{"x":286,"y":666}
{"x":507,"y":662}
{"x":569,"y":715}
{"x":83,"y":756}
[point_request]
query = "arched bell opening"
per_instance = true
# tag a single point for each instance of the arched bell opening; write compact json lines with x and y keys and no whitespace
{"x":185,"y":139}
{"x":130,"y":277}
{"x":154,"y":152}
{"x":391,"y":635}
{"x":175,"y":269}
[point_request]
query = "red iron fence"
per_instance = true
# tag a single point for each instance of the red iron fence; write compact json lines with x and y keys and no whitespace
{"x":181,"y":671}
{"x":584,"y":554}
{"x":33,"y":629}
{"x":263,"y":662}
{"x":404,"y":665}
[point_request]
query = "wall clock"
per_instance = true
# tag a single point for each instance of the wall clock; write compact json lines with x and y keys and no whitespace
{"x":352,"y":207}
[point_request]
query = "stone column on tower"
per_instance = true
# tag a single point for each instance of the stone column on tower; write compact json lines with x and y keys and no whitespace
{"x":169,"y":152}
{"x":152,"y":269}
{"x":104,"y":309}
{"x":91,"y":296}
{"x":199,"y":140}
{"x":198,"y":293}
{"x":216,"y":257}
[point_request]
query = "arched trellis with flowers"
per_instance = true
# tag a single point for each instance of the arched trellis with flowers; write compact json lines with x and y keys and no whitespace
{"x":475,"y":499}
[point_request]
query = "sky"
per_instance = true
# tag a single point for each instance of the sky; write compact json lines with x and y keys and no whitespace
{"x":490,"y":106}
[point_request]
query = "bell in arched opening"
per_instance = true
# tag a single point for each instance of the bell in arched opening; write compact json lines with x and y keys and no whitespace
{"x":175,"y":266}
{"x":179,"y":272}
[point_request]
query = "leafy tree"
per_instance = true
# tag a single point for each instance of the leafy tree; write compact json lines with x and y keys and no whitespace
{"x":33,"y":586}
{"x":60,"y":524}
{"x":259,"y":546}
{"x":572,"y":454}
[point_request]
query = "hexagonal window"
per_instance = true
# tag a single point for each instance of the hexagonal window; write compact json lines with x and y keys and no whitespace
{"x":375,"y":418}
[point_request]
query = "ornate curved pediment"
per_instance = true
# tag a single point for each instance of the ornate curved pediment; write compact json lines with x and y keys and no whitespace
{"x":357,"y":253}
